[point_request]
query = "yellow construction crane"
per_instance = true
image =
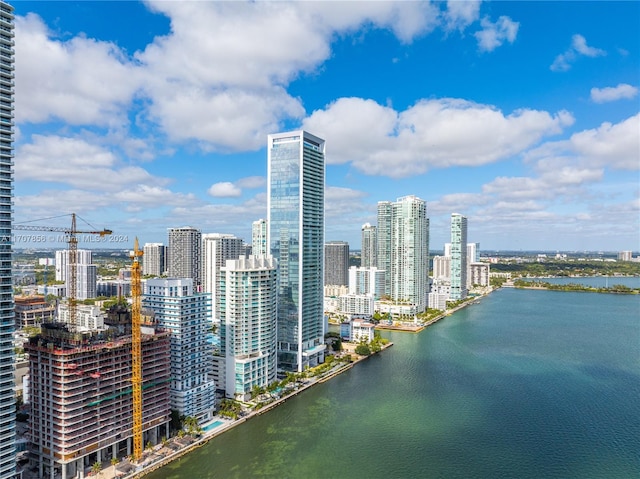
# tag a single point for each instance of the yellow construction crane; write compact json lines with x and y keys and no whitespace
{"x":72,"y":240}
{"x":136,"y":349}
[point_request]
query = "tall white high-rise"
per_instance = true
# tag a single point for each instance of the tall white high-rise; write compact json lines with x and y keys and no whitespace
{"x":248,"y":304}
{"x":384,"y":242}
{"x":410,"y":251}
{"x":442,"y":268}
{"x":154,"y":259}
{"x":216,"y":250}
{"x":83,"y":256}
{"x":458,"y":257}
{"x":295,"y":202}
{"x":184,"y":254}
{"x":86,"y":273}
{"x":473,"y":252}
{"x":7,"y":321}
{"x":403,"y":249}
{"x":336,"y":263}
{"x":185,"y":313}
{"x":366,"y":281}
{"x":259,"y":246}
{"x":369,"y":249}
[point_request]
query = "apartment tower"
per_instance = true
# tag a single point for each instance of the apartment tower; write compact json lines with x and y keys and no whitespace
{"x":259,"y":246}
{"x":410,"y":251}
{"x":80,"y":396}
{"x":184,"y":254}
{"x":336,"y":263}
{"x":368,"y":252}
{"x":295,"y":203}
{"x":154,"y":259}
{"x":248,"y":307}
{"x":216,"y":250}
{"x":384,"y":243}
{"x":7,"y":322}
{"x":186,"y":315}
{"x":458,"y":257}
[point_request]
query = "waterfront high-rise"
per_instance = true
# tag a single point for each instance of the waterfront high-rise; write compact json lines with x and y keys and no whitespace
{"x":410,"y":251}
{"x":295,"y":201}
{"x":259,"y":246}
{"x":458,"y":257}
{"x":7,"y":322}
{"x":366,"y":281}
{"x":154,"y":259}
{"x":403,"y":249}
{"x":186,"y":315}
{"x":184,"y":254}
{"x":79,"y":390}
{"x":216,"y":250}
{"x":248,"y":302}
{"x":369,"y":251}
{"x":336,"y":263}
{"x":384,"y":243}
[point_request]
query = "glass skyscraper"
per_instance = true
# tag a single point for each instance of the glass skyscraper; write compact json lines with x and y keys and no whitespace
{"x":458,"y":256}
{"x":7,"y":394}
{"x":296,"y":238}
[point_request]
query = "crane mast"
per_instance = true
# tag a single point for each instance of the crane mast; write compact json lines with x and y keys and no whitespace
{"x":136,"y":350}
{"x":72,"y":240}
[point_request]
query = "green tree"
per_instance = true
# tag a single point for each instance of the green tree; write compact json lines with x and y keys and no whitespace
{"x":96,"y":468}
{"x":363,"y":350}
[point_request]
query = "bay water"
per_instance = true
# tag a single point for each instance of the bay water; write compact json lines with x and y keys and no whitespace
{"x":523,"y":384}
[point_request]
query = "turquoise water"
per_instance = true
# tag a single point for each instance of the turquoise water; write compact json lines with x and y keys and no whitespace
{"x":524,"y":384}
{"x":213,"y":425}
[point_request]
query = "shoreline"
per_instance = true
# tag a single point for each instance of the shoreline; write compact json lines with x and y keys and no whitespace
{"x":205,"y":438}
{"x":142,"y":471}
{"x":417,"y":328}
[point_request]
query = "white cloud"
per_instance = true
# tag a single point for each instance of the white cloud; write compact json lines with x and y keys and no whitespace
{"x":224,"y":189}
{"x":431,"y":134}
{"x":614,"y":146}
{"x":252,"y":182}
{"x":461,"y":14}
{"x":230,"y":90}
{"x":579,"y":44}
{"x":622,"y":91}
{"x":578,"y":47}
{"x":80,"y":81}
{"x":78,"y":163}
{"x":495,"y":34}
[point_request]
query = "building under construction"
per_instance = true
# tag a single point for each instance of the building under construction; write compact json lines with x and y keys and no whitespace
{"x":81,"y":394}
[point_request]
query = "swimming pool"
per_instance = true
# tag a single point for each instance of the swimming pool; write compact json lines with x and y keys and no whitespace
{"x":213,"y":425}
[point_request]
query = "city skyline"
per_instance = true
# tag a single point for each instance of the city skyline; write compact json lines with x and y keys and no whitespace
{"x":521,"y":116}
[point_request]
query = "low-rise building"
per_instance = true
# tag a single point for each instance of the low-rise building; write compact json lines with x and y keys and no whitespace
{"x":362,"y":304}
{"x":357,"y":331}
{"x":397,"y":310}
{"x":33,"y":310}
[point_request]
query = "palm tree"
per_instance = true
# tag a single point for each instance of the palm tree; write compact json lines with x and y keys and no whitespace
{"x":114,"y":463}
{"x":96,"y":468}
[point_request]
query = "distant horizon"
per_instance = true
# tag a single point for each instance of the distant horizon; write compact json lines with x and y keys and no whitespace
{"x":482,"y":250}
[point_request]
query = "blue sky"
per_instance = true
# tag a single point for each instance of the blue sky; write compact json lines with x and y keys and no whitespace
{"x":524,"y":116}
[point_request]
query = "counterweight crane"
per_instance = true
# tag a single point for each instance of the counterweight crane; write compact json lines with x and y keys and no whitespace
{"x":72,"y":240}
{"x":136,"y":349}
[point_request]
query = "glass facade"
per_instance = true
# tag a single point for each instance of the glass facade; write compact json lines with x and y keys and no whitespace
{"x":410,"y":251}
{"x":7,"y":394}
{"x":296,"y":240}
{"x":458,"y":257}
